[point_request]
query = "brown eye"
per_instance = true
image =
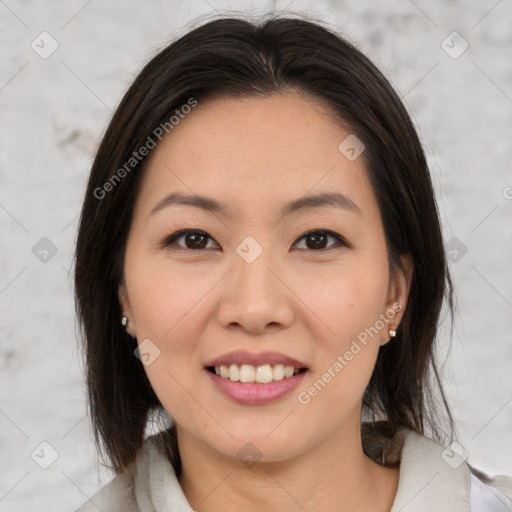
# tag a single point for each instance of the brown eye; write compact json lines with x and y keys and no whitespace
{"x":193,"y":240}
{"x":317,"y":240}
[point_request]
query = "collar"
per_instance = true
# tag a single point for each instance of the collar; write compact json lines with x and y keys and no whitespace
{"x":430,"y":474}
{"x":431,"y":478}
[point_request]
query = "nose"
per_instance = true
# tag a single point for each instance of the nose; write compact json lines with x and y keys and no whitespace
{"x":256,"y":297}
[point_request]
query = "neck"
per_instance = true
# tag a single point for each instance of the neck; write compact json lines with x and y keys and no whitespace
{"x":334,"y":475}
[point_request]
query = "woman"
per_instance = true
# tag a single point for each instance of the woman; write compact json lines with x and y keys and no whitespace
{"x":260,"y":256}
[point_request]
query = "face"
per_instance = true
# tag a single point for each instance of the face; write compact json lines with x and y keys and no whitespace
{"x":256,"y":283}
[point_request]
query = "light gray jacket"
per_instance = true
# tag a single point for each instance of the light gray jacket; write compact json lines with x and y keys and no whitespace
{"x":432,"y":478}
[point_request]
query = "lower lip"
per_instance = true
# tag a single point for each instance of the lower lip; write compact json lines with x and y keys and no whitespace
{"x":255,"y":393}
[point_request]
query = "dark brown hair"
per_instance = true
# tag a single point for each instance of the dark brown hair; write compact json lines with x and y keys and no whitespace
{"x":233,"y":57}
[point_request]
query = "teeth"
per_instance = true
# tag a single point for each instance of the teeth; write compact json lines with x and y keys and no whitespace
{"x":249,"y":374}
{"x":278,"y":372}
{"x":264,"y":374}
{"x":234,"y":373}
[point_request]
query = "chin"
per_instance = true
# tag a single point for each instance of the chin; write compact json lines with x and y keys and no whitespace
{"x":253,"y":446}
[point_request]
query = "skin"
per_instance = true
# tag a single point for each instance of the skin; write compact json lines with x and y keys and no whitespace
{"x":255,"y":155}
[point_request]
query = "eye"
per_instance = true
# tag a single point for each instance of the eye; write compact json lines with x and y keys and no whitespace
{"x":318,"y":239}
{"x":194,"y":239}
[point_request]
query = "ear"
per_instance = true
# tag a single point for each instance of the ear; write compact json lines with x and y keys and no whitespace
{"x":398,"y":294}
{"x":124,"y":302}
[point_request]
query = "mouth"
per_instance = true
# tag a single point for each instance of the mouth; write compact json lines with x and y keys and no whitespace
{"x":248,"y":367}
{"x":261,"y":374}
{"x":255,"y":379}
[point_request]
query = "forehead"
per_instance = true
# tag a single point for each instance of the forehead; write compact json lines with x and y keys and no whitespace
{"x":264,"y":150}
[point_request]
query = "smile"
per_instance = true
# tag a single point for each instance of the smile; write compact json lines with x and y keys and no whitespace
{"x":262,"y":374}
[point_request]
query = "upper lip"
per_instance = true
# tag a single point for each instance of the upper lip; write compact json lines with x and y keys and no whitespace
{"x":244,"y":357}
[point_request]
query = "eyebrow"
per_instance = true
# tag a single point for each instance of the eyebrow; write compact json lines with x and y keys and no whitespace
{"x":212,"y":205}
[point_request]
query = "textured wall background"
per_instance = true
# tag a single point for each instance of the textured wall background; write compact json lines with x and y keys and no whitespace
{"x":54,"y":110}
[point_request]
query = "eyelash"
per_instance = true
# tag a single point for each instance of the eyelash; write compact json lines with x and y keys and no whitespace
{"x":170,"y":240}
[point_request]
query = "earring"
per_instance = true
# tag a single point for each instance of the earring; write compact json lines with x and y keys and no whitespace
{"x":392,"y":333}
{"x":124,"y":321}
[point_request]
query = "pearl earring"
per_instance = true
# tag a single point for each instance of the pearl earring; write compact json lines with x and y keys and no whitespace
{"x":392,"y":333}
{"x":124,"y":321}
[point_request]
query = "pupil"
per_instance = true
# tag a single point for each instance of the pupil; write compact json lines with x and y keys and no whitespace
{"x":317,"y":240}
{"x":196,"y":236}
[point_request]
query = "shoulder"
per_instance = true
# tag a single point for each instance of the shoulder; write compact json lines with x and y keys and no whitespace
{"x":440,"y":476}
{"x":435,"y":477}
{"x":149,"y":480}
{"x":116,"y":496}
{"x":486,"y":489}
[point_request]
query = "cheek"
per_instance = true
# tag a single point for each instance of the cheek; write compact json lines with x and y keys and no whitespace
{"x":167,"y":304}
{"x":343,"y":366}
{"x":348,"y":299}
{"x":169,"y":309}
{"x":349,"y":306}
